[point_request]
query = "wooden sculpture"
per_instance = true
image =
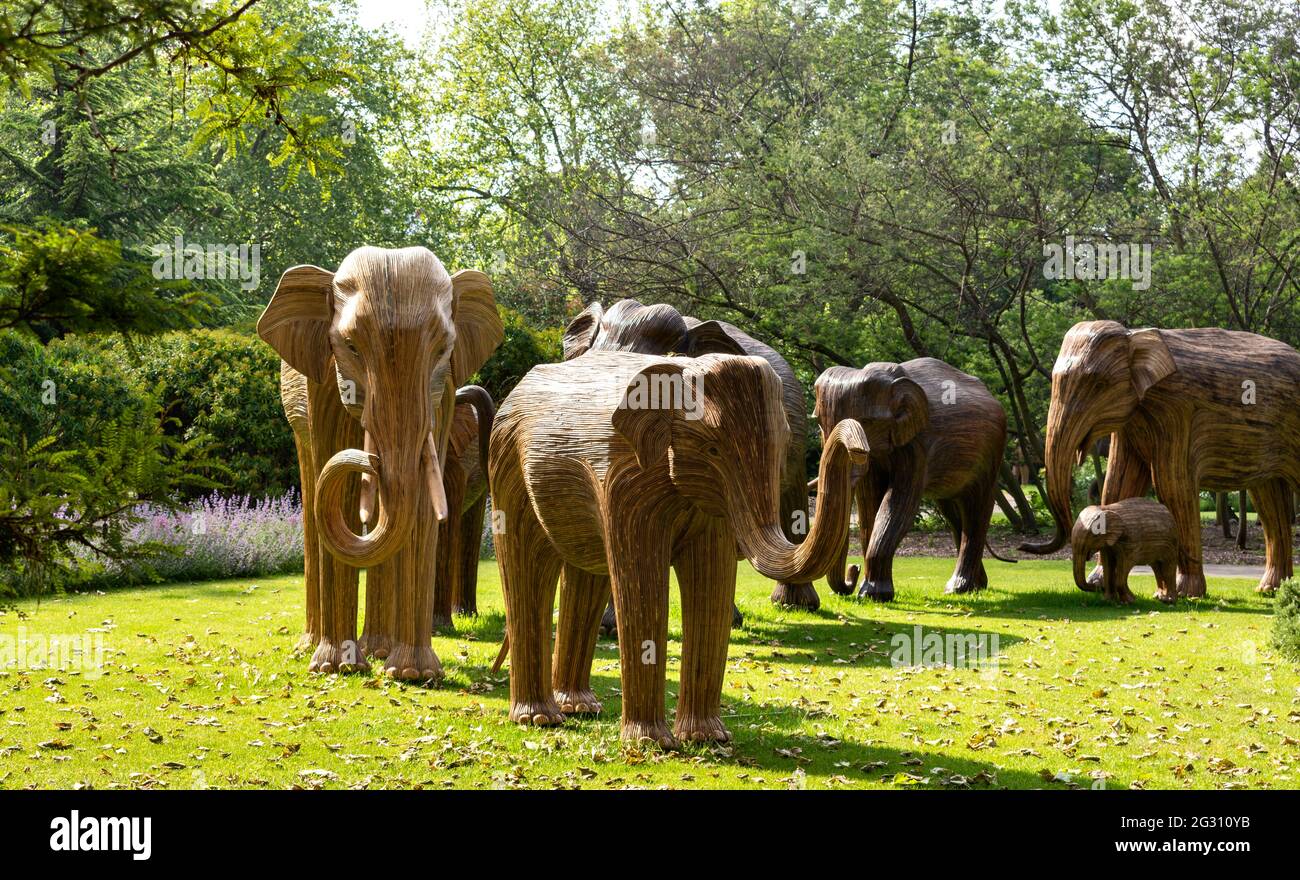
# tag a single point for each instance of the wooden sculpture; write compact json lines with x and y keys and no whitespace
{"x":614,"y":466}
{"x":373,"y":353}
{"x":1135,"y":531}
{"x":661,"y":329}
{"x":1185,"y":409}
{"x":934,"y":433}
{"x":464,"y":477}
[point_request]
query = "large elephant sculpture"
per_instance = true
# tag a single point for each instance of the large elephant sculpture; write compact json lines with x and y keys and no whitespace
{"x":660,"y":329}
{"x":596,"y":475}
{"x":372,"y":354}
{"x":466,"y":484}
{"x":1185,"y":409}
{"x":934,"y":433}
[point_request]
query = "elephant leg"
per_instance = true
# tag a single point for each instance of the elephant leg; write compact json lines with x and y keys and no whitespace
{"x":893,"y":521}
{"x":706,"y":575}
{"x":447,"y":568}
{"x":582,"y":597}
{"x":464,"y":594}
{"x":794,"y":522}
{"x":609,"y":621}
{"x":411,"y":656}
{"x":1176,"y":487}
{"x":1166,"y":572}
{"x":867,"y":493}
{"x":310,"y":543}
{"x":529,"y":568}
{"x":336,"y":649}
{"x":1273,"y":505}
{"x":1115,"y":568}
{"x":1127,"y":476}
{"x":380,"y":623}
{"x":976,"y":507}
{"x":638,"y":559}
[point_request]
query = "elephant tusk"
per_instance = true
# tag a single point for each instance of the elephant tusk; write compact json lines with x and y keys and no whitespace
{"x":369,"y":486}
{"x":433,"y":476}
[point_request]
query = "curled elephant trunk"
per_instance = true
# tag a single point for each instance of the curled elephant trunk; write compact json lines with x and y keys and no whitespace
{"x":1080,"y":579}
{"x":1062,"y":447}
{"x":765,"y":543}
{"x":394,"y":516}
{"x":478,"y":397}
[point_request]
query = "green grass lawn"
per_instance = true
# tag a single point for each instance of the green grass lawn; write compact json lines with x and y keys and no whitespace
{"x":200,"y":688}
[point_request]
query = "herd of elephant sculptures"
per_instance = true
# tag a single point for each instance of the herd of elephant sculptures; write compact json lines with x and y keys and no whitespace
{"x":663,"y":441}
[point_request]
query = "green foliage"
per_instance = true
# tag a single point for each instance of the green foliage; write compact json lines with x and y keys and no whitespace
{"x":81,"y":445}
{"x":225,"y":386}
{"x":523,"y":348}
{"x":1286,"y":618}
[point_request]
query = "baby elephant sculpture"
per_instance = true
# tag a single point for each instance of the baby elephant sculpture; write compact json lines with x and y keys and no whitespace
{"x":935,"y":433}
{"x":614,"y":466}
{"x":372,"y":354}
{"x":1135,"y":531}
{"x":464,"y":477}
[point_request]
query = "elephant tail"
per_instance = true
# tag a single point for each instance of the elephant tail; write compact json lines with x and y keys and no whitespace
{"x":988,"y":546}
{"x":478,"y":397}
{"x":501,"y":655}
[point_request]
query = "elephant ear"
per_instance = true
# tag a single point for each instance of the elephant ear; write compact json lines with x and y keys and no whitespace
{"x":581,"y":333}
{"x":1149,"y":359}
{"x":642,"y":422}
{"x":710,"y":337}
{"x":478,"y":326}
{"x":911,"y":410}
{"x":296,"y":321}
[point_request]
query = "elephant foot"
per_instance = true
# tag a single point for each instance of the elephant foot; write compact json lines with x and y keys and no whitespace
{"x":1095,"y":580}
{"x":542,"y":713}
{"x":795,"y":596}
{"x":305,"y":642}
{"x":737,"y":619}
{"x":877,"y":591}
{"x":609,"y":623}
{"x":851,"y":579}
{"x":412,"y":663}
{"x":579,"y":701}
{"x":707,"y":729}
{"x":1120,"y":596}
{"x":1269,"y":583}
{"x":962,"y":583}
{"x":375,"y":646}
{"x":648,"y":732}
{"x":470,"y":609}
{"x":344,"y":656}
{"x":1191,"y":585}
{"x":1166,"y":597}
{"x":441,"y":622}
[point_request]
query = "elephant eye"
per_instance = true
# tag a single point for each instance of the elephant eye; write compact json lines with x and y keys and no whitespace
{"x":713,"y":450}
{"x":352,"y":348}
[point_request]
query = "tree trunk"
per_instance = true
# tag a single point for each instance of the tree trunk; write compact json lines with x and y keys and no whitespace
{"x":1028,"y":524}
{"x":1222,"y":516}
{"x":1241,"y":520}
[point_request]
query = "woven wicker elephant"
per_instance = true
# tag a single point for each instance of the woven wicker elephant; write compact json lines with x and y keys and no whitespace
{"x":614,"y":466}
{"x":660,"y":329}
{"x":372,"y":354}
{"x":1185,"y":410}
{"x":466,"y":484}
{"x":1135,"y":531}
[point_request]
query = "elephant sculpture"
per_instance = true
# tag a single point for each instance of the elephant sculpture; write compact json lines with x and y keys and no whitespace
{"x":610,"y":468}
{"x":934,"y":432}
{"x":660,"y":329}
{"x":466,"y":485}
{"x":1185,"y":409}
{"x":372,"y":354}
{"x":1135,"y":531}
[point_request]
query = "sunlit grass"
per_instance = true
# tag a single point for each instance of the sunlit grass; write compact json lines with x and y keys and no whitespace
{"x":201,"y":688}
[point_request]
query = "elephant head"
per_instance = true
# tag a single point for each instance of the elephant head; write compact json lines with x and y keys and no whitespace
{"x":891,"y":408}
{"x":725,"y":444}
{"x":395,"y":332}
{"x":657,"y":329}
{"x":1093,"y":531}
{"x":1101,"y":376}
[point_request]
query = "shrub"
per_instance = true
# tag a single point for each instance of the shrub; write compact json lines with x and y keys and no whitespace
{"x":1286,"y":619}
{"x":225,"y":385}
{"x":522,"y":349}
{"x":214,"y":537}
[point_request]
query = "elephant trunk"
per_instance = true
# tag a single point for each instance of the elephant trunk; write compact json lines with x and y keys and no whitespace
{"x":1062,"y":446}
{"x":765,"y":543}
{"x":1080,"y":554}
{"x":401,"y":461}
{"x":478,"y":397}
